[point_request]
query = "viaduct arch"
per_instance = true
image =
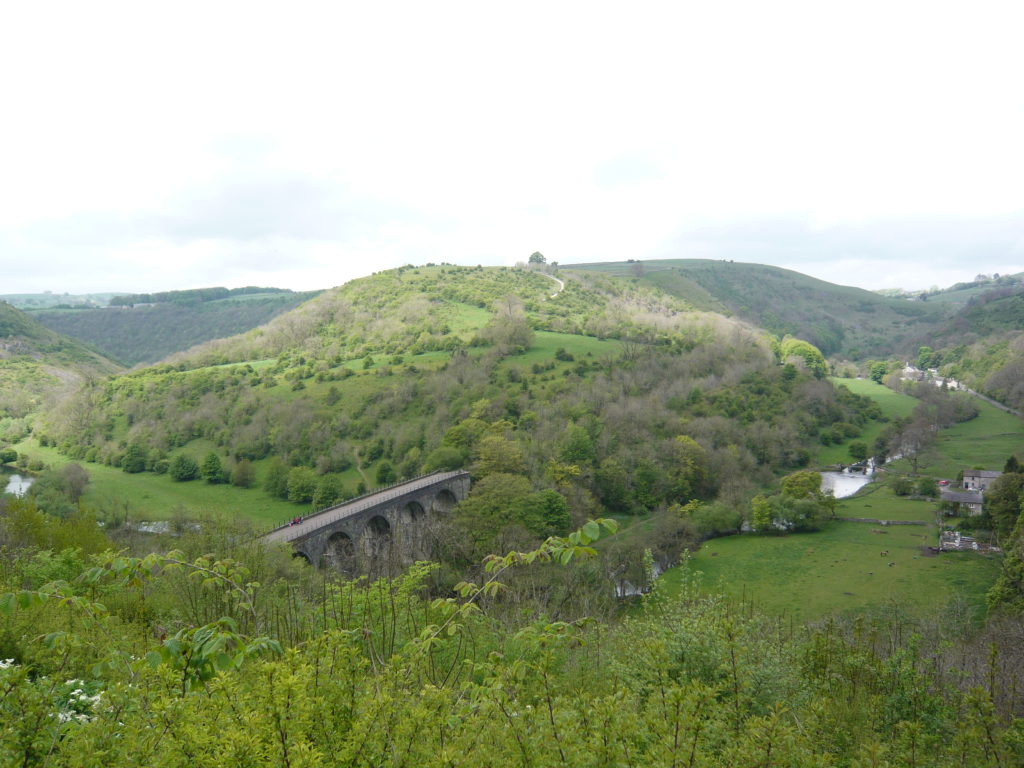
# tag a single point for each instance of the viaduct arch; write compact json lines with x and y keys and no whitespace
{"x":361,"y":535}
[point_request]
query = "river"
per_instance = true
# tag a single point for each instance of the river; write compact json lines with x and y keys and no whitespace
{"x":843,"y":484}
{"x":15,"y":483}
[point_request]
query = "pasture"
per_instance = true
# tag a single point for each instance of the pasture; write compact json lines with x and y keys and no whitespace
{"x":841,"y":570}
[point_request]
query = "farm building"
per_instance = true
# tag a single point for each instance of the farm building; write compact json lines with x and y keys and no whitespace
{"x":979,"y":479}
{"x":969,"y":501}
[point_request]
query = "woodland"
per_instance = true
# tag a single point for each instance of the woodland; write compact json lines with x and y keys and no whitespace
{"x":615,"y":422}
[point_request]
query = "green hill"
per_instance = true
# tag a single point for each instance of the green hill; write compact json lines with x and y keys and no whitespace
{"x":36,"y":364}
{"x":145,"y":334}
{"x":621,"y":395}
{"x":839,"y":320}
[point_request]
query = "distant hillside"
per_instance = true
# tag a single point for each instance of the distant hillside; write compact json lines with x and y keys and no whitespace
{"x":49,"y":300}
{"x":36,"y":363}
{"x":181,"y":319}
{"x":839,"y":320}
{"x":961,"y":293}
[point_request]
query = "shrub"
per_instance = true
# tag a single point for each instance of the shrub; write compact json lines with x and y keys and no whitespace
{"x":183,"y":468}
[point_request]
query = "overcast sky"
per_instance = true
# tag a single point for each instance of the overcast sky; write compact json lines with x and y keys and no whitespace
{"x":161,"y":145}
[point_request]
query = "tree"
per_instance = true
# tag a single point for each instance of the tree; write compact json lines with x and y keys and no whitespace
{"x":793,"y":350}
{"x":499,"y":454}
{"x":328,"y":491}
{"x":858,"y":450}
{"x":612,"y":484}
{"x":74,"y":479}
{"x":760,"y":513}
{"x":444,"y":457}
{"x":1012,"y":465}
{"x":302,"y":483}
{"x":211,"y":469}
{"x":8,"y":456}
{"x":1003,"y":501}
{"x":243,"y":475}
{"x":577,"y":446}
{"x":543,"y":513}
{"x":537,"y":258}
{"x":134,"y":459}
{"x":901,"y":486}
{"x":183,"y":468}
{"x":878,"y":370}
{"x":386,"y":473}
{"x":913,"y":439}
{"x":801,"y":485}
{"x":276,"y":481}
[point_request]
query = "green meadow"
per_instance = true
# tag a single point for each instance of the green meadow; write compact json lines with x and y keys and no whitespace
{"x":895,"y":405}
{"x":841,"y":569}
{"x":147,"y":496}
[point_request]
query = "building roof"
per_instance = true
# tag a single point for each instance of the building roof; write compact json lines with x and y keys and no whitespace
{"x":984,"y":474}
{"x":961,"y":497}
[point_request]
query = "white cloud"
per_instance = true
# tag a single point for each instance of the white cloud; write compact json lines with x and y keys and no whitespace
{"x":179,"y":144}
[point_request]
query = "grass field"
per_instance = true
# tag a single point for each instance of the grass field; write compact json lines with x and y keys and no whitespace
{"x":893,"y":404}
{"x":840,"y":570}
{"x":986,"y":441}
{"x":146,"y":496}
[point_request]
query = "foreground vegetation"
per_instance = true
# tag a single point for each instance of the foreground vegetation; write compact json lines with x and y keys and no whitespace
{"x":182,"y":660}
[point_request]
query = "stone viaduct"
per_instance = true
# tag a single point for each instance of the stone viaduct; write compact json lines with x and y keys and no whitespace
{"x":386,"y":526}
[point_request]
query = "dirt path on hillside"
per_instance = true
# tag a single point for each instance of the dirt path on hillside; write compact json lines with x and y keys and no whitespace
{"x":561,"y":285}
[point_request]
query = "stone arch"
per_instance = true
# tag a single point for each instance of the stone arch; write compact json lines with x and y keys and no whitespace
{"x":413,"y":512}
{"x":377,"y":536}
{"x":303,"y":555}
{"x":340,"y":552}
{"x":443,"y":502}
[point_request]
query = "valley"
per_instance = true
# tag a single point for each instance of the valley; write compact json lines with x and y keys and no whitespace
{"x":643,"y":441}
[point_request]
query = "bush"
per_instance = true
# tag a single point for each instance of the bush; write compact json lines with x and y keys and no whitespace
{"x":212,"y":470}
{"x":901,"y":486}
{"x":927,"y":487}
{"x":183,"y":468}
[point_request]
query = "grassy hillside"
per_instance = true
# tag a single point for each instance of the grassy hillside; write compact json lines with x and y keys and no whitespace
{"x":839,"y":320}
{"x":145,"y":334}
{"x":35,"y":364}
{"x":624,"y":398}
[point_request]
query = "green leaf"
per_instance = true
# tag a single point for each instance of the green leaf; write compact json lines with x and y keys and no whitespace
{"x":592,"y":530}
{"x":153,"y":659}
{"x":51,"y":640}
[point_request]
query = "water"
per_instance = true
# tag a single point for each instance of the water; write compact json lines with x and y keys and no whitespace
{"x":17,"y":484}
{"x":843,"y":484}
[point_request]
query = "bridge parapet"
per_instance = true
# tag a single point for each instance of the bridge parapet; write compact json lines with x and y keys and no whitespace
{"x":386,"y":523}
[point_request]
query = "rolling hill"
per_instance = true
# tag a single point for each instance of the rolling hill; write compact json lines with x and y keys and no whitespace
{"x":440,"y":367}
{"x":839,"y":320}
{"x":36,"y":363}
{"x":150,"y":331}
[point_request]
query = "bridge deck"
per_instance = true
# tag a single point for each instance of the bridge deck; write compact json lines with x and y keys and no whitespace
{"x":355,"y":506}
